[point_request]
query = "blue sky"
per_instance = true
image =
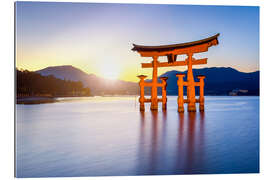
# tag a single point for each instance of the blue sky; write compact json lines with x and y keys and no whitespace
{"x":97,"y":37}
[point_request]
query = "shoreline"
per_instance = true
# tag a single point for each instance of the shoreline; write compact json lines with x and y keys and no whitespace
{"x":35,"y":100}
{"x":28,"y":100}
{"x":40,"y":99}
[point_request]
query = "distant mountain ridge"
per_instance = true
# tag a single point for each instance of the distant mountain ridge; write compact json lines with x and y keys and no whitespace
{"x":67,"y":72}
{"x":97,"y":85}
{"x":218,"y":81}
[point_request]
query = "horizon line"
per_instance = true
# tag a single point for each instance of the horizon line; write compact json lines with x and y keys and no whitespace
{"x":160,"y":67}
{"x":17,"y":68}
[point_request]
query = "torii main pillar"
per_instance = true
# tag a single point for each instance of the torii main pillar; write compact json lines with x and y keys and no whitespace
{"x":190,"y":86}
{"x":154,"y":94}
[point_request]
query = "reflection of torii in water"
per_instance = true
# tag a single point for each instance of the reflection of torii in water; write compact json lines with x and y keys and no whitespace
{"x":185,"y":154}
{"x":171,"y":51}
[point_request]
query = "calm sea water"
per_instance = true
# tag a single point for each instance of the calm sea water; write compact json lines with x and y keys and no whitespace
{"x":100,"y":136}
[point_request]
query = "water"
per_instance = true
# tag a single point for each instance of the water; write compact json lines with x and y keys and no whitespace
{"x":100,"y":136}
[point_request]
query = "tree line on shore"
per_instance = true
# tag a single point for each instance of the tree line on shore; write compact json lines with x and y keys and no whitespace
{"x":33,"y":84}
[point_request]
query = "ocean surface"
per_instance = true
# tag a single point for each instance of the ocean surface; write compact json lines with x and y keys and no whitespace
{"x":105,"y":136}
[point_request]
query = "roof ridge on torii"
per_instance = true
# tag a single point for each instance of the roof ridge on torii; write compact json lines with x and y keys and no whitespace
{"x":171,"y":51}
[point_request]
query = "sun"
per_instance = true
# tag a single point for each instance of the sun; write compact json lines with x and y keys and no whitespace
{"x":109,"y":70}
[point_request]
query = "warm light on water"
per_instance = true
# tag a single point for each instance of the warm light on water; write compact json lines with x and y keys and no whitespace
{"x":109,"y":136}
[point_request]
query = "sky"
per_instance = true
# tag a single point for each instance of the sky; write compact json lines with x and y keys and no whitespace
{"x":97,"y":37}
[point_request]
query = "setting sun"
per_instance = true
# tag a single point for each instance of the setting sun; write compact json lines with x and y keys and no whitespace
{"x":109,"y":70}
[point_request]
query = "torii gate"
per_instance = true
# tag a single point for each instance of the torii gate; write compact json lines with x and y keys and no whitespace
{"x":171,"y":51}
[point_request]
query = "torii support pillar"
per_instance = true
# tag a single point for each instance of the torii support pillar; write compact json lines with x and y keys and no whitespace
{"x":180,"y":99}
{"x":142,"y":99}
{"x":164,"y":93}
{"x":201,"y":100}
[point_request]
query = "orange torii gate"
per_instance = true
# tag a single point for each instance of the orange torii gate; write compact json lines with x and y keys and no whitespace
{"x":171,"y":52}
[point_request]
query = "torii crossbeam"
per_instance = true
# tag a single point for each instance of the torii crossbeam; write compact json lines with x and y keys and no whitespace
{"x":171,"y":52}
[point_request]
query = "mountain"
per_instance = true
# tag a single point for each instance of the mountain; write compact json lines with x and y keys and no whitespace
{"x":218,"y":81}
{"x":67,"y":72}
{"x":97,"y":85}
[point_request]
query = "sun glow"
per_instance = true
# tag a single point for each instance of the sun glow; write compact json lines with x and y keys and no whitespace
{"x":109,"y":70}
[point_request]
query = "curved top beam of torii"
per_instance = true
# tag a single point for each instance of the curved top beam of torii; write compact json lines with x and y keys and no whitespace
{"x":177,"y":49}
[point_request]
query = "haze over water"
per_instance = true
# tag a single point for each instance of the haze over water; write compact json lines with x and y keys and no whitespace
{"x":95,"y":136}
